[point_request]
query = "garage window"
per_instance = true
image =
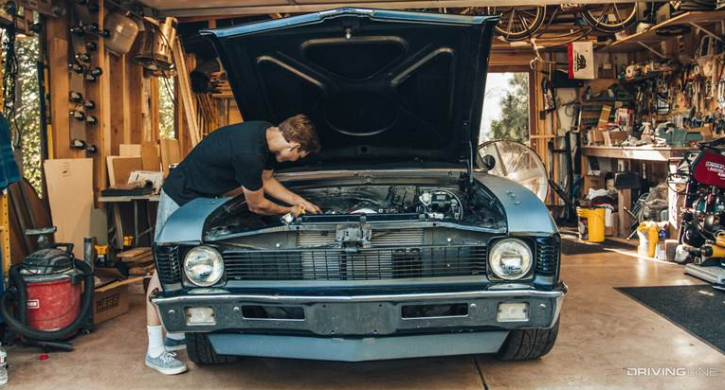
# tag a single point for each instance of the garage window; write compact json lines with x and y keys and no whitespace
{"x":22,"y":109}
{"x":506,"y":107}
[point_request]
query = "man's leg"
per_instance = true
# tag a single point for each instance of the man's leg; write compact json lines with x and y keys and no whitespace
{"x":157,"y":357}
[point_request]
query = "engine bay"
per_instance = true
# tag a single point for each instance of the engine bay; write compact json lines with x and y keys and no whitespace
{"x":379,"y":202}
{"x":436,"y":203}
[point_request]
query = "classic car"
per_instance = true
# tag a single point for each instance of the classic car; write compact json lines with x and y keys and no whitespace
{"x":419,"y":251}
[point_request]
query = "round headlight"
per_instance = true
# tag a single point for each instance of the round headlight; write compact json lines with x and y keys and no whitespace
{"x":510,"y":259}
{"x":204,"y":266}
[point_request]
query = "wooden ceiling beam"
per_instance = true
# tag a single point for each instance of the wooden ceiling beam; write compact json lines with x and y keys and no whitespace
{"x":188,"y":11}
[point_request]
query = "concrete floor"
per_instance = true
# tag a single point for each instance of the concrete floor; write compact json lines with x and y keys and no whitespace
{"x":602,"y":333}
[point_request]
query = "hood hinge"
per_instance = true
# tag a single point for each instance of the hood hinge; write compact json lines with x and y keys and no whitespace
{"x":470,"y":159}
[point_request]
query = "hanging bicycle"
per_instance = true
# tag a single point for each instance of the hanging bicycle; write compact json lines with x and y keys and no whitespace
{"x":525,"y":22}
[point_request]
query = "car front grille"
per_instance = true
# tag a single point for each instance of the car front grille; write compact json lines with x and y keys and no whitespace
{"x":168,"y":264}
{"x":401,"y":238}
{"x":547,"y":255}
{"x":360,"y":264}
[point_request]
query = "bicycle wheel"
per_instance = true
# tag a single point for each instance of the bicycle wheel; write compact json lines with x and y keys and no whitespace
{"x":517,"y":23}
{"x":611,"y":18}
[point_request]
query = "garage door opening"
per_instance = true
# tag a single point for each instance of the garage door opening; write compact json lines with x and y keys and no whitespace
{"x":506,"y":107}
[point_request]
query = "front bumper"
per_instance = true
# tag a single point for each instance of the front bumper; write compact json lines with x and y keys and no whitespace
{"x":363,"y":315}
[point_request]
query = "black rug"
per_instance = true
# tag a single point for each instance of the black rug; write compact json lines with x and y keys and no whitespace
{"x":571,"y":245}
{"x":700,"y":310}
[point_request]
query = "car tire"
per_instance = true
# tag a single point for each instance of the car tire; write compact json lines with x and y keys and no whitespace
{"x":201,"y":352}
{"x":528,"y":344}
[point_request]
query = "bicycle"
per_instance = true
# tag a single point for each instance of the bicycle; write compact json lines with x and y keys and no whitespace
{"x":524,"y":22}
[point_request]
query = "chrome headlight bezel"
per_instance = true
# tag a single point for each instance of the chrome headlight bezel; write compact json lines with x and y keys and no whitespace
{"x":512,"y":245}
{"x":199,"y":255}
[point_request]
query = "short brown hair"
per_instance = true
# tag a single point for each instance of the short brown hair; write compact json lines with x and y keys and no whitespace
{"x":300,"y":129}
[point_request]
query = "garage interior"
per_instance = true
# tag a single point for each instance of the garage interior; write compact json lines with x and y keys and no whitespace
{"x":611,"y":113}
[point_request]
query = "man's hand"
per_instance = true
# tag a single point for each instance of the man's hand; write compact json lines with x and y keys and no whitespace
{"x":310,"y":207}
{"x":275,"y":189}
{"x":297,"y":210}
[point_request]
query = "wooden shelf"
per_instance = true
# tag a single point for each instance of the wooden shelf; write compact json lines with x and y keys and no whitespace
{"x":641,"y":153}
{"x":644,"y":40}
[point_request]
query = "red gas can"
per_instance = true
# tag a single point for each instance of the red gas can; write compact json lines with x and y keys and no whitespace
{"x":53,"y":301}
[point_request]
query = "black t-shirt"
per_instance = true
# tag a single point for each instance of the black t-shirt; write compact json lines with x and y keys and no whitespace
{"x":229,"y":157}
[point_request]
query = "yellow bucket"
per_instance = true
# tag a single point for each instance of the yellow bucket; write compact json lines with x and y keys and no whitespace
{"x":591,"y":224}
{"x":648,"y":233}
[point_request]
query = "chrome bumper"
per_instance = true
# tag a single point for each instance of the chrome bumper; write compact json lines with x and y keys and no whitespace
{"x":363,"y":315}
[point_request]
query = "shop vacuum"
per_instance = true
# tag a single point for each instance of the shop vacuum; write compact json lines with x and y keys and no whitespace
{"x":48,"y":299}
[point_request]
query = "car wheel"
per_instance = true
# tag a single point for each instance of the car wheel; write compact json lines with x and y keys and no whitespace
{"x":200,"y":350}
{"x":528,"y":344}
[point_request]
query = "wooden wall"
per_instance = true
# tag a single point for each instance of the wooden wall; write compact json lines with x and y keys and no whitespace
{"x":127,"y":102}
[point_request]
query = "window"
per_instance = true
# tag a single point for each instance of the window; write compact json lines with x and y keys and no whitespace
{"x":167,"y":108}
{"x":25,"y":123}
{"x":506,"y":107}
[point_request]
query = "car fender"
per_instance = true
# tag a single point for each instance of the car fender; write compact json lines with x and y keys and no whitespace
{"x":525,"y":212}
{"x":186,"y":225}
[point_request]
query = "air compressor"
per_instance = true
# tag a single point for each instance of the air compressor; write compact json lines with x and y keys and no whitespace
{"x":50,"y":295}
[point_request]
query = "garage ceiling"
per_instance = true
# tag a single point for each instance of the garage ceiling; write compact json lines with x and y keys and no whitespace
{"x":230,"y":8}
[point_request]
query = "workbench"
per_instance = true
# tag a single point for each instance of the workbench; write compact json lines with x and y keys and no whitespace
{"x":115,"y":203}
{"x":629,"y":154}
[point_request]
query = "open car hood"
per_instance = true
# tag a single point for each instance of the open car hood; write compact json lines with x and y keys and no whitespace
{"x":377,"y":84}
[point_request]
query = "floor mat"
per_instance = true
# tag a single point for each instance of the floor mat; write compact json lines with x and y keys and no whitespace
{"x":700,"y":310}
{"x":571,"y":245}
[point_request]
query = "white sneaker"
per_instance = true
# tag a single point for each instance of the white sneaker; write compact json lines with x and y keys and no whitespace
{"x":166,"y":363}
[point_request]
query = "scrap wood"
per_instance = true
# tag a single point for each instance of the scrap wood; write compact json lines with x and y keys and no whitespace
{"x":185,"y":91}
{"x":170,"y":154}
{"x":132,"y":262}
{"x":140,"y":264}
{"x":120,"y":168}
{"x":150,"y":157}
{"x":135,"y":252}
{"x":129,"y":150}
{"x":140,"y":271}
{"x":114,"y":284}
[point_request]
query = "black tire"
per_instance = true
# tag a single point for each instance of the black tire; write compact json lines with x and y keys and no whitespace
{"x":528,"y":344}
{"x":596,"y":16}
{"x":201,"y":352}
{"x":511,"y":26}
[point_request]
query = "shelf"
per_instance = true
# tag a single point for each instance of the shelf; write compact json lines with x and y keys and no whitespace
{"x":645,"y":40}
{"x":635,"y":152}
{"x":648,"y":76}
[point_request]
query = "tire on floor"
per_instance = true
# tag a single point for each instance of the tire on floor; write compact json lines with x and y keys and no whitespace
{"x":200,"y":350}
{"x":528,"y":344}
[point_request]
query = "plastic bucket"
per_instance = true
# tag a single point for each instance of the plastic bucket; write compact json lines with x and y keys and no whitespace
{"x":648,"y":233}
{"x":591,"y":224}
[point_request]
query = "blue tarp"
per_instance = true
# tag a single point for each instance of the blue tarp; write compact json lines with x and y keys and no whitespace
{"x":8,"y":167}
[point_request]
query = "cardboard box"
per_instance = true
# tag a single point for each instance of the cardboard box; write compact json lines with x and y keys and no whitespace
{"x":596,"y":136}
{"x":111,"y":300}
{"x":612,"y":138}
{"x":604,"y":117}
{"x":705,"y":131}
{"x":592,"y":181}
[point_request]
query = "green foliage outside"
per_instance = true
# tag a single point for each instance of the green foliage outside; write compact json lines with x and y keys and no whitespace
{"x":26,"y":123}
{"x":167,"y":108}
{"x":514,"y":122}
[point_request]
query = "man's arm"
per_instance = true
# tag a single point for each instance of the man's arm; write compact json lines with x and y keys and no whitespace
{"x":258,"y":204}
{"x":277,"y":190}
